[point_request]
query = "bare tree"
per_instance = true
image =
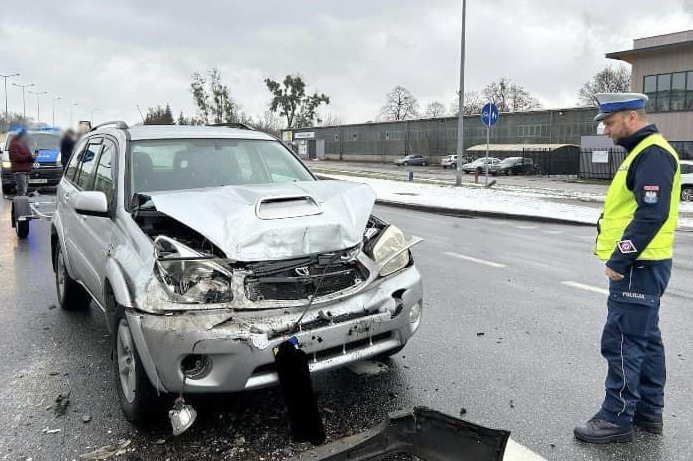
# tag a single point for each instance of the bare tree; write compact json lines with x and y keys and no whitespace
{"x":608,"y":80}
{"x":473,"y":102}
{"x":269,"y":122}
{"x":329,"y":119}
{"x":509,"y":96}
{"x":292,"y":102}
{"x":400,"y":104}
{"x":435,"y":109}
{"x":213,"y":99}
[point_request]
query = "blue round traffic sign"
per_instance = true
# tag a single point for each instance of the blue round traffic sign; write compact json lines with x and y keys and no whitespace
{"x":489,"y":114}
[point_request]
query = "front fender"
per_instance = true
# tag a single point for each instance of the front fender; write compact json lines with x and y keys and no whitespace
{"x":116,"y":279}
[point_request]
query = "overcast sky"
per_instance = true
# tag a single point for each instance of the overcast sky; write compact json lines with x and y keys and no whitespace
{"x":113,"y":57}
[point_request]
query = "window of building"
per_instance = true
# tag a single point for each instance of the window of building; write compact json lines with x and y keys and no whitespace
{"x":669,"y":92}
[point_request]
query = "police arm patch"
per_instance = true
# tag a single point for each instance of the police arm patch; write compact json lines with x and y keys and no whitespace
{"x":626,"y":247}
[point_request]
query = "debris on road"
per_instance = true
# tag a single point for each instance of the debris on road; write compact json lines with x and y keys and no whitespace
{"x":481,"y":333}
{"x":107,"y":451}
{"x":62,"y":401}
{"x":86,"y":418}
{"x":46,"y":430}
{"x":463,"y":411}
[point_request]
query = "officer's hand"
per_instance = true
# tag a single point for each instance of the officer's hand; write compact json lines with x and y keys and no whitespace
{"x":613,"y":275}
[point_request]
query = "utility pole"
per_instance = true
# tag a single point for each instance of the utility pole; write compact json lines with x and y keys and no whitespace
{"x":460,"y":116}
{"x":58,"y":98}
{"x":7,"y":114}
{"x":38,"y":104}
{"x":71,"y":119}
{"x":23,"y":87}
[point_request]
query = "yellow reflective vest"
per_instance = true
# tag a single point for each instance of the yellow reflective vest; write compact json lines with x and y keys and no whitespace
{"x":620,"y":207}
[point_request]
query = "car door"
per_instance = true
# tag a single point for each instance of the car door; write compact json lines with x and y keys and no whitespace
{"x":95,"y":231}
{"x":77,"y":180}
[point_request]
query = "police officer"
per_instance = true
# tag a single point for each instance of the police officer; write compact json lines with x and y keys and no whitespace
{"x":636,"y":239}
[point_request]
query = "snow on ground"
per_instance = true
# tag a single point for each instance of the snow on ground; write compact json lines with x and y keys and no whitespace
{"x":517,"y":202}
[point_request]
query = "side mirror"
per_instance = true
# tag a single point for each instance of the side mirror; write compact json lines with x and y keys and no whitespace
{"x":91,"y":203}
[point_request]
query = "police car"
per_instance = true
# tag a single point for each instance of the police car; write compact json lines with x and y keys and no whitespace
{"x":687,"y":180}
{"x":47,"y":171}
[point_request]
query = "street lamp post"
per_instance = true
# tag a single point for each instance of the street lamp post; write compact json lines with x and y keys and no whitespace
{"x":7,"y":114}
{"x":23,"y":87}
{"x":58,"y":98}
{"x":38,"y":104}
{"x":460,"y":116}
{"x":71,"y":119}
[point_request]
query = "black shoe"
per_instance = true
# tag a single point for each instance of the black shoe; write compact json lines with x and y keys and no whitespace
{"x":597,"y":430}
{"x":649,"y":423}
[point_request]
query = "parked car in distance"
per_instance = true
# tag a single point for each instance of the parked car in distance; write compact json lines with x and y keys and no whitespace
{"x":414,"y":159}
{"x":513,"y":165}
{"x":480,"y":165}
{"x":687,"y":180}
{"x":449,"y":161}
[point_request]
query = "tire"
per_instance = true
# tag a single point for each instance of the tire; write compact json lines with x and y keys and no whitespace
{"x":391,"y":352}
{"x":405,"y":164}
{"x":71,"y":295}
{"x":687,"y":194}
{"x":7,"y":189}
{"x":138,"y":398}
{"x":425,"y":163}
{"x":20,"y":207}
{"x":453,"y":166}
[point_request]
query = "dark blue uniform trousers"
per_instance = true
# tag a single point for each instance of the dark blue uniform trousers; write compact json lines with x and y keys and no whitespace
{"x":632,"y":344}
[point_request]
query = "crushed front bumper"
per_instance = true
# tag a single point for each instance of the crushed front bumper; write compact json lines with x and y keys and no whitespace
{"x":238,"y":344}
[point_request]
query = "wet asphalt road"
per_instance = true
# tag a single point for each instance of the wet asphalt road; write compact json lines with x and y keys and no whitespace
{"x":535,"y":371}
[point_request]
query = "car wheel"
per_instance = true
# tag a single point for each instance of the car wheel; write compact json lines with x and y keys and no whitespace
{"x":71,"y":295}
{"x":138,"y":398}
{"x":453,"y":166}
{"x":687,"y":194}
{"x":7,"y":189}
{"x":425,"y":163}
{"x":406,"y":164}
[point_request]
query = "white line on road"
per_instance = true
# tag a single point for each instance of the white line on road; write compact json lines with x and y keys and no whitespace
{"x":526,"y":227}
{"x":582,"y":286}
{"x":475,"y":260}
{"x":516,"y":452}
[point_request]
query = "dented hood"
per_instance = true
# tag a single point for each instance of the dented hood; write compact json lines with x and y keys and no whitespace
{"x":274,"y":221}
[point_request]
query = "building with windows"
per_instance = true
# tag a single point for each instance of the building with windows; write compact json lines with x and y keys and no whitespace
{"x":663,"y":70}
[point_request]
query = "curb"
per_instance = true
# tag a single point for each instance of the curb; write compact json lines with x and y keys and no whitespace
{"x":460,"y":213}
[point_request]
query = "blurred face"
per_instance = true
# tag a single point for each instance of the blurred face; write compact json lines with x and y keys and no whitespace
{"x":620,"y":125}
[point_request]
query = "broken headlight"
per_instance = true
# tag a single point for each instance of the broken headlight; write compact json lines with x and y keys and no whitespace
{"x":391,"y":251}
{"x":189,"y":277}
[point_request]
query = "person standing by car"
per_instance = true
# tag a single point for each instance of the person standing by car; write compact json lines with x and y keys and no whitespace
{"x":67,"y":144}
{"x":635,"y":238}
{"x":22,"y":161}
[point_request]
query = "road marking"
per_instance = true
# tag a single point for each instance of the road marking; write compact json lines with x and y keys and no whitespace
{"x":527,"y":227}
{"x":516,"y":452}
{"x":554,"y":232}
{"x":582,"y":286}
{"x":475,"y":260}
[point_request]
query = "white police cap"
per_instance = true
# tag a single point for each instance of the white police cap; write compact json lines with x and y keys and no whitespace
{"x":615,"y":102}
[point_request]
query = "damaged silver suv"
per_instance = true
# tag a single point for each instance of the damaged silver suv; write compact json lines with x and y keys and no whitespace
{"x":206,"y":247}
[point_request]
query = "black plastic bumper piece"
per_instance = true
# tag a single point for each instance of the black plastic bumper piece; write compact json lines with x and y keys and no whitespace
{"x":424,"y":433}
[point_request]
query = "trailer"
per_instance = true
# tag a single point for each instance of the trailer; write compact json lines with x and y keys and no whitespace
{"x":27,"y":209}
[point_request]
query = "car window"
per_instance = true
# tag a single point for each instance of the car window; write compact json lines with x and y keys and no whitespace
{"x":686,"y":169}
{"x":73,"y":166}
{"x":104,"y":176}
{"x":85,"y":175}
{"x":44,"y":141}
{"x":175,"y":164}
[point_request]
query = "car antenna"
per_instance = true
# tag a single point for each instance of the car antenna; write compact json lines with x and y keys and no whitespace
{"x":138,"y":110}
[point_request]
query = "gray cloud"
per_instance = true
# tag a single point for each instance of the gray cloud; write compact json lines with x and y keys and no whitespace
{"x":113,"y":56}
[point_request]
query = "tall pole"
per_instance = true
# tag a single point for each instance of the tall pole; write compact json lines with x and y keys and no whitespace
{"x":38,"y":104}
{"x":71,"y":119}
{"x":23,"y":87}
{"x":55,"y":99}
{"x":460,"y":116}
{"x":7,"y":113}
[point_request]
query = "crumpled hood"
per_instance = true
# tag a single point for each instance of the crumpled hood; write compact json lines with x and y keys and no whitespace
{"x":231,"y":217}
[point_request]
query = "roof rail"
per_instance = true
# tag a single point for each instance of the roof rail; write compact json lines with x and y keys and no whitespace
{"x":119,"y":124}
{"x":242,"y":126}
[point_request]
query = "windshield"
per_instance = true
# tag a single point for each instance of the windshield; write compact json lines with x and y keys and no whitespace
{"x":174,"y":164}
{"x":43,"y":141}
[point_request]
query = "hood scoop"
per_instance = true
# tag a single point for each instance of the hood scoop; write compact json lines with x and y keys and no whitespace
{"x":282,"y":207}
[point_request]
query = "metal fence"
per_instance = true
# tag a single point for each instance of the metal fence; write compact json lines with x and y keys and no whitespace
{"x":600,"y":163}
